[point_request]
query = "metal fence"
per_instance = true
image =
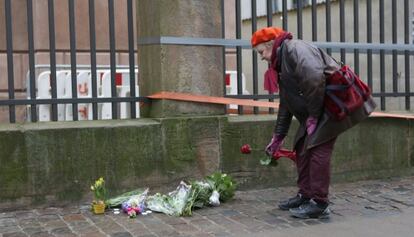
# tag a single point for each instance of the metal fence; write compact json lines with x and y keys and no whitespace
{"x":356,"y":47}
{"x":33,"y":101}
{"x":369,"y":48}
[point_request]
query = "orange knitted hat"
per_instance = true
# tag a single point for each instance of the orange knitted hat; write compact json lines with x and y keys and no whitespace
{"x":265,"y":34}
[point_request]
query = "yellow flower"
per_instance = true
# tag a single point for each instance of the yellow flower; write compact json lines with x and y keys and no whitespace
{"x":92,"y":188}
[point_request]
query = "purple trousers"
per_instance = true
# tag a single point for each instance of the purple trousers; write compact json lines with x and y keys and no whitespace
{"x":313,"y":168}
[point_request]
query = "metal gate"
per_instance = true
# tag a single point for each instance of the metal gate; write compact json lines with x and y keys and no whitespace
{"x":375,"y":41}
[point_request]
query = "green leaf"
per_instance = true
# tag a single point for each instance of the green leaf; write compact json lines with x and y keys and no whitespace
{"x":223,"y":183}
{"x":265,"y":160}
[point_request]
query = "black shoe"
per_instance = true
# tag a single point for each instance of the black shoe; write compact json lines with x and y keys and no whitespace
{"x":311,"y":209}
{"x":293,"y":202}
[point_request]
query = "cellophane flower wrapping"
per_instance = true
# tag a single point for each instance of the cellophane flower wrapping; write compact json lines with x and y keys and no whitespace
{"x":172,"y":204}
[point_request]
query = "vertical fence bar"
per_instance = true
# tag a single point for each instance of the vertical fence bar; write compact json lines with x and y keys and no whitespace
{"x":32,"y":74}
{"x":342,"y":27}
{"x":407,"y":53}
{"x":413,"y":28}
{"x":10,"y":68}
{"x":254,"y":55}
{"x":269,"y":16}
{"x":369,"y":40}
{"x":112,"y":56}
{"x":238,"y":53}
{"x":269,"y":12}
{"x":328,"y":24}
{"x":382,"y":55}
{"x":356,"y":35}
{"x":314,"y":21}
{"x":284,"y":15}
{"x":72,"y":38}
{"x":299,"y":18}
{"x":131,"y":58}
{"x":52,"y":53}
{"x":394,"y":52}
{"x":92,"y":43}
{"x":223,"y":36}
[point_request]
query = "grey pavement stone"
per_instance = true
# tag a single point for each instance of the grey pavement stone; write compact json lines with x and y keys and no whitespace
{"x":128,"y":223}
{"x":33,"y":230}
{"x":93,"y":234}
{"x":139,"y":231}
{"x":271,"y":219}
{"x":48,"y":210}
{"x":79,"y":225}
{"x":7,"y":222}
{"x":41,"y":234}
{"x":312,"y":222}
{"x":54,"y":224}
{"x":15,"y":234}
{"x":171,"y":220}
{"x":7,"y":215}
{"x":70,"y":210}
{"x":249,"y":213}
{"x":185,"y":228}
{"x":228,"y":212}
{"x":230,"y":225}
{"x":247,"y":221}
{"x":207,"y":225}
{"x":9,"y":229}
{"x":61,"y":231}
{"x":121,"y":234}
{"x":22,"y":215}
{"x":87,"y":230}
{"x":48,"y":217}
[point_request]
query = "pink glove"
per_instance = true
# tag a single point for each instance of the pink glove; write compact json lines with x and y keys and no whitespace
{"x":274,"y":145}
{"x":311,"y":123}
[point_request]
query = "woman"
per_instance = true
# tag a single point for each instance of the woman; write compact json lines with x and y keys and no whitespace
{"x":299,"y":69}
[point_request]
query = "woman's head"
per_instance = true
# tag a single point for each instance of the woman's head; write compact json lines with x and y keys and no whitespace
{"x":263,"y":39}
{"x":265,"y":50}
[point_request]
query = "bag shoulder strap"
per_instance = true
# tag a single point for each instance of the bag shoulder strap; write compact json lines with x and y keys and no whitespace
{"x":280,"y":59}
{"x":323,"y":55}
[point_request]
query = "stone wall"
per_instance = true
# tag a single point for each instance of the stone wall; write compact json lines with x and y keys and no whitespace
{"x":55,"y":163}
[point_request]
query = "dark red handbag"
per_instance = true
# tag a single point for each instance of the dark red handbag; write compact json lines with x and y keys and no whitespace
{"x":345,"y":93}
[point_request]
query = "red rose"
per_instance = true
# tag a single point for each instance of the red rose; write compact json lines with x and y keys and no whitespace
{"x":246,"y":149}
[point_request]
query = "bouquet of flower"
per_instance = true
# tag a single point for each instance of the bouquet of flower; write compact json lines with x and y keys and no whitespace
{"x":99,"y":191}
{"x":135,"y":205}
{"x":197,"y":194}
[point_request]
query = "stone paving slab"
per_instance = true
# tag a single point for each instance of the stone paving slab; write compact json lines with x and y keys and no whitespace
{"x":248,"y":214}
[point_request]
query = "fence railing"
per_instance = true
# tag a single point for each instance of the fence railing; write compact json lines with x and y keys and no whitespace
{"x":246,"y":73}
{"x":33,"y":101}
{"x":389,"y":12}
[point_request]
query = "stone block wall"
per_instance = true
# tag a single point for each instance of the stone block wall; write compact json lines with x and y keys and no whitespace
{"x":55,"y":163}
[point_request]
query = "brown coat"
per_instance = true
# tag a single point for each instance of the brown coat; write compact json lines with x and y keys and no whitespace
{"x":302,"y":91}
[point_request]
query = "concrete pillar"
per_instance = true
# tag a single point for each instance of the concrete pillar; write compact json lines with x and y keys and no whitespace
{"x":179,"y":68}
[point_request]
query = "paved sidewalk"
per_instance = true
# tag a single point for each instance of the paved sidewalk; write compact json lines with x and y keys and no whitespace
{"x":366,"y":208}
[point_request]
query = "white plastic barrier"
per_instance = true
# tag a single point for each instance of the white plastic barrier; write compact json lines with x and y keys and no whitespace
{"x":123,"y":90}
{"x":122,"y":79}
{"x":231,"y":85}
{"x":84,"y":90}
{"x":44,"y":92}
{"x":105,"y":83}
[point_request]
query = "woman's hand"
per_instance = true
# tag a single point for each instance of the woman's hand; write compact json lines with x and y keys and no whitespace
{"x":311,"y":124}
{"x":274,"y":144}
